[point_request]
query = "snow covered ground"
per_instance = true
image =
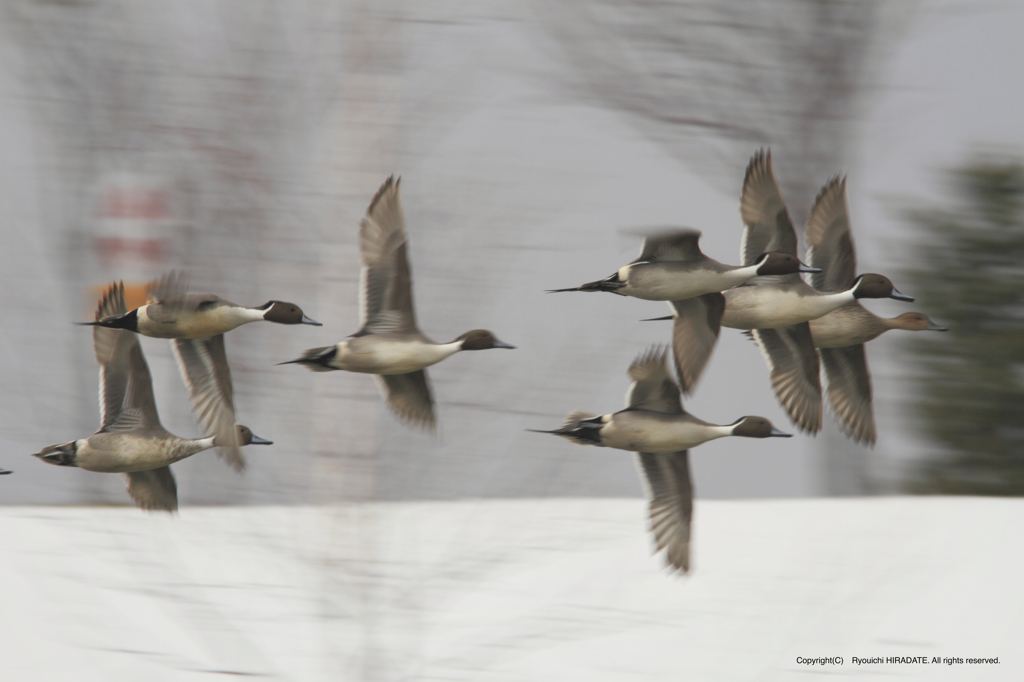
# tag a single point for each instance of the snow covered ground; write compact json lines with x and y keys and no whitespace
{"x":550,"y":589}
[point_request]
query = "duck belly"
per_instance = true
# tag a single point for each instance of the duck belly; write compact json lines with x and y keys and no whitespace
{"x":764,"y":307}
{"x":196,"y":325}
{"x":125,"y":453}
{"x":662,"y":282}
{"x":380,"y":356}
{"x":654,"y":435}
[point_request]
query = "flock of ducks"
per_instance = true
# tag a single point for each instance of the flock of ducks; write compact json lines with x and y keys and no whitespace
{"x":131,"y":440}
{"x":793,"y":322}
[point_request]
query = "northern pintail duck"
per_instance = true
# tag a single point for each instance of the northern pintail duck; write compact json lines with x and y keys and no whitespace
{"x":655,"y":426}
{"x":389,"y":344}
{"x":671,"y":267}
{"x":775,"y":310}
{"x":196,"y":324}
{"x":131,"y":439}
{"x":841,"y":334}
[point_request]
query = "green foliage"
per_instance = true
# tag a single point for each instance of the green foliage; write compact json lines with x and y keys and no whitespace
{"x":970,"y":380}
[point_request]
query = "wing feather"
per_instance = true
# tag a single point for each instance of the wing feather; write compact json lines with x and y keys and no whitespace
{"x":694,"y":334}
{"x":154,"y":490}
{"x":795,"y":375}
{"x":849,"y":391}
{"x":204,"y":368}
{"x":652,"y":387}
{"x":670,"y":495}
{"x":829,"y":242}
{"x":409,"y":397}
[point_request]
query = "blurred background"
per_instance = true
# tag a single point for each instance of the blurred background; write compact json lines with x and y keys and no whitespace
{"x":241,"y":142}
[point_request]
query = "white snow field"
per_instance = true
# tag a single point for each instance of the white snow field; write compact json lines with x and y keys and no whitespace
{"x":551,"y":589}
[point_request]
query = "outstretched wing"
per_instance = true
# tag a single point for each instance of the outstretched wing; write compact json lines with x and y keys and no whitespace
{"x":768,"y":227}
{"x":172,"y":285}
{"x":385,"y":297}
{"x":409,"y":397}
{"x":126,"y":387}
{"x":829,"y":243}
{"x":849,"y":391}
{"x":694,"y":333}
{"x":204,"y":368}
{"x":793,"y":362}
{"x":670,"y":492}
{"x":675,"y":245}
{"x":154,"y":490}
{"x":652,"y":388}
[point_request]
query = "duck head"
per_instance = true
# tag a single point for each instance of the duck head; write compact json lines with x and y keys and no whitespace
{"x":917,"y":322}
{"x":283,"y":312}
{"x":245,"y":437}
{"x":873,"y":285}
{"x":757,"y":427}
{"x":779,"y":263}
{"x":481,"y":339}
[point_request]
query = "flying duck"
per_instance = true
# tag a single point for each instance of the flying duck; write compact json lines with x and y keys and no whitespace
{"x":841,"y":334}
{"x":671,"y":267}
{"x":389,"y":344}
{"x":655,"y":426}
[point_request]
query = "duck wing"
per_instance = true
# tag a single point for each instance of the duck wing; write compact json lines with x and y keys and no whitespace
{"x":126,"y":386}
{"x":204,"y":368}
{"x":768,"y":226}
{"x":829,"y":243}
{"x":849,"y":391}
{"x":674,"y":245}
{"x":795,"y":374}
{"x":385,"y":286}
{"x":694,"y":334}
{"x":154,"y":490}
{"x":409,"y":397}
{"x":670,"y":495}
{"x":652,"y":388}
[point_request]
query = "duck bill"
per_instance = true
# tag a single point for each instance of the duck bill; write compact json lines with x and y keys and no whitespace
{"x":256,"y":440}
{"x":901,"y":297}
{"x":309,"y":320}
{"x":932,"y":327}
{"x":779,"y":434}
{"x":502,"y":344}
{"x":808,"y":268}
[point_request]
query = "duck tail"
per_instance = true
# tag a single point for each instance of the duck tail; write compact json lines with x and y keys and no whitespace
{"x":582,"y":428}
{"x":611,"y":284}
{"x":316,"y":359}
{"x":62,"y":455}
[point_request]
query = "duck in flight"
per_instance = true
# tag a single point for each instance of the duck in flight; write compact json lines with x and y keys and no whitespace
{"x":840,"y":335}
{"x":196,"y":324}
{"x":389,"y":343}
{"x":130,"y":439}
{"x":656,"y":427}
{"x":671,"y":267}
